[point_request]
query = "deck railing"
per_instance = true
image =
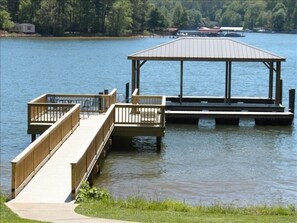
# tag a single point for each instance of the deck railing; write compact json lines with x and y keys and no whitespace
{"x":82,"y":166}
{"x":136,"y":114}
{"x":88,"y":102}
{"x":27,"y":163}
{"x":46,"y":112}
{"x":147,"y":99}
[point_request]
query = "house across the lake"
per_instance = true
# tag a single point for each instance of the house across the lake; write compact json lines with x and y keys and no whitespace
{"x":23,"y":28}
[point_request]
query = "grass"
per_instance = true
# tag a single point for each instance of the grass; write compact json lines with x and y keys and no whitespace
{"x":141,"y":210}
{"x":6,"y":215}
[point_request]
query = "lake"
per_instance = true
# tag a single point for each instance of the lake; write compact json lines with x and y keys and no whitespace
{"x":203,"y":163}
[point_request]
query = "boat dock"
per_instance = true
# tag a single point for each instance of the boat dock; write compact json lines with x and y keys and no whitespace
{"x":76,"y":130}
{"x":75,"y":133}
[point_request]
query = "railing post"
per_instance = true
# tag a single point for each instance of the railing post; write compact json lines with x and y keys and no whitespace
{"x":13,"y":184}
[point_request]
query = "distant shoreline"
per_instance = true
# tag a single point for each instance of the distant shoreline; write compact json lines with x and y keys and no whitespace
{"x":74,"y":37}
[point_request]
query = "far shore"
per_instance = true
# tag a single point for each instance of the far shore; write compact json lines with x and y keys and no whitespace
{"x":101,"y":37}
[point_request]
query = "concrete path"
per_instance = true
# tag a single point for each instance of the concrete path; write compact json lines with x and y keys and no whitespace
{"x":57,"y":213}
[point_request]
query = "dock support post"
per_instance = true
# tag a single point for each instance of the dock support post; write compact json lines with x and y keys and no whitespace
{"x":281,"y":91}
{"x":127,"y":93}
{"x":228,"y":83}
{"x":277,"y":83}
{"x":270,"y":81}
{"x":292,"y":100}
{"x":33,"y":137}
{"x":159,"y":142}
{"x":133,"y":75}
{"x":138,"y":75}
{"x":181,"y":81}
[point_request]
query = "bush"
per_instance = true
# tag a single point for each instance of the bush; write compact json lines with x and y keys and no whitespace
{"x":86,"y":192}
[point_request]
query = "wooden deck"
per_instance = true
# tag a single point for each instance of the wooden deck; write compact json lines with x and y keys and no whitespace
{"x":72,"y":139}
{"x":263,"y":110}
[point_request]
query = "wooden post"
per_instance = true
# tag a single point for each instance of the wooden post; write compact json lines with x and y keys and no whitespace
{"x":127,"y":93}
{"x":133,"y":75}
{"x":281,"y":92}
{"x":226,"y":82}
{"x":229,"y":83}
{"x":277,"y":84}
{"x":292,"y":100}
{"x":181,"y":81}
{"x":159,"y":143}
{"x":138,"y":75}
{"x":33,"y":137}
{"x":270,"y":81}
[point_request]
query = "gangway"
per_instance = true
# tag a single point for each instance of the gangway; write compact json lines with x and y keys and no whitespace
{"x":74,"y":135}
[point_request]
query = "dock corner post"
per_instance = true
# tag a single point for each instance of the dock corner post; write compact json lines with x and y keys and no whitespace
{"x":33,"y":137}
{"x":278,"y":83}
{"x":292,"y":100}
{"x":159,"y":143}
{"x":127,"y":93}
{"x":13,"y":185}
{"x":281,"y":91}
{"x":133,"y":75}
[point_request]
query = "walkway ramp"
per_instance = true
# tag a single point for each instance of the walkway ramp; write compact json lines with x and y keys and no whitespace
{"x":52,"y":183}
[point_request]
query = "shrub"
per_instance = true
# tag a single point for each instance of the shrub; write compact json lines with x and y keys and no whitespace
{"x":86,"y":192}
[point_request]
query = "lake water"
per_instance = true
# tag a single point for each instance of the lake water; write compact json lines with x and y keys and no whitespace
{"x":198,"y":163}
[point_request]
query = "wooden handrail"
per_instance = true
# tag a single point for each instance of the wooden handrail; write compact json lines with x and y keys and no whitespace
{"x":83,"y":164}
{"x":46,"y":112}
{"x":28,"y":163}
{"x":40,"y":99}
{"x":139,"y":114}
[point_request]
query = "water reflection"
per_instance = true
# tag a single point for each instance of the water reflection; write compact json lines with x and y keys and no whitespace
{"x":206,"y":163}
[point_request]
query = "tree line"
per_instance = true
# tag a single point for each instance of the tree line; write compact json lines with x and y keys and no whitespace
{"x":125,"y":17}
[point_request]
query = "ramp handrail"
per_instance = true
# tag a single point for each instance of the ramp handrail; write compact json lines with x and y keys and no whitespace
{"x":83,"y":164}
{"x":28,"y":163}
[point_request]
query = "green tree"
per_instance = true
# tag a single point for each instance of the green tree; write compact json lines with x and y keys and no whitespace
{"x":230,"y":18}
{"x":253,"y":11}
{"x":119,"y":20}
{"x":180,"y":17}
{"x":139,"y":14}
{"x":194,"y":18}
{"x":5,"y":20}
{"x":13,"y":7}
{"x":279,"y":16}
{"x":25,"y":11}
{"x":156,"y":19}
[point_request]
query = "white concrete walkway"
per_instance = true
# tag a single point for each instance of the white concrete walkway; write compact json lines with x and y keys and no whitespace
{"x":58,"y":213}
{"x":52,"y":184}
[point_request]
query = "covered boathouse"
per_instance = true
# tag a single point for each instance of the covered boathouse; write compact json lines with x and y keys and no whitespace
{"x":226,"y":109}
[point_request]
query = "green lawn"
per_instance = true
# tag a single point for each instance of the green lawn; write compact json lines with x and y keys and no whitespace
{"x":136,"y":209}
{"x":6,"y":215}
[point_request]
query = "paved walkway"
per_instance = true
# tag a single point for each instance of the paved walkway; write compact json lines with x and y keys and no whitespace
{"x":57,"y":213}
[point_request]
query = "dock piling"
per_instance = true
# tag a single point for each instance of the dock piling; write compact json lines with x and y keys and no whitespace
{"x":292,"y":100}
{"x":127,"y":93}
{"x":159,"y":142}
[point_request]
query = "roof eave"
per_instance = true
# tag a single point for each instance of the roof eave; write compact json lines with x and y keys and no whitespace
{"x":206,"y":59}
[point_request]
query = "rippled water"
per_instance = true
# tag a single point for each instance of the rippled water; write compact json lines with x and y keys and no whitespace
{"x":206,"y":163}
